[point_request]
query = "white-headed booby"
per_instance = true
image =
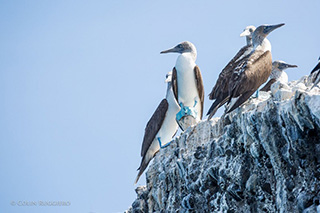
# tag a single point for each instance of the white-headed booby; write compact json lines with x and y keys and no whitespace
{"x":220,"y":92}
{"x":316,"y":70}
{"x":187,"y":85}
{"x":160,"y":129}
{"x":253,"y":70}
{"x":247,"y":32}
{"x":277,"y":74}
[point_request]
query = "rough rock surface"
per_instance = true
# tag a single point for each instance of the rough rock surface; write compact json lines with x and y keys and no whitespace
{"x":263,"y":157}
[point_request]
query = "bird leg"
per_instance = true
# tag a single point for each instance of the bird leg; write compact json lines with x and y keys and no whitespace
{"x":185,"y":110}
{"x":186,"y":116}
{"x":163,"y":146}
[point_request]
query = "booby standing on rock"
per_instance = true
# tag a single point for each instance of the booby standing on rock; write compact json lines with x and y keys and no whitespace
{"x":160,"y":129}
{"x":253,"y":70}
{"x":187,"y":85}
{"x":316,"y":70}
{"x":220,"y":92}
{"x":277,"y":74}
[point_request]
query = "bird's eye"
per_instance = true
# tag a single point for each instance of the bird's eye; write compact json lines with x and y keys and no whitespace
{"x":250,"y":30}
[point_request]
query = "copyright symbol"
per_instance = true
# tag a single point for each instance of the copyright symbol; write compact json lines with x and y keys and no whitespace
{"x":13,"y":203}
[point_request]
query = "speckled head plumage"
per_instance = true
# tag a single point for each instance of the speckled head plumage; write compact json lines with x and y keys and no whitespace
{"x":262,"y":32}
{"x":183,"y":47}
{"x":281,"y":65}
{"x":278,"y":67}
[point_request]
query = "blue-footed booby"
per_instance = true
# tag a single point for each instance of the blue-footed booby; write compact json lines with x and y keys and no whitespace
{"x":187,"y":85}
{"x":316,"y":70}
{"x":277,"y":74}
{"x":160,"y":129}
{"x":253,"y":70}
{"x":220,"y":92}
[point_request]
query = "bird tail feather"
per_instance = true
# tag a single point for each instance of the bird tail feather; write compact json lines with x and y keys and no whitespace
{"x":144,"y":163}
{"x":215,"y":106}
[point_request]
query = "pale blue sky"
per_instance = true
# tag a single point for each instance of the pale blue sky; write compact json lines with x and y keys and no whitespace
{"x":80,"y":80}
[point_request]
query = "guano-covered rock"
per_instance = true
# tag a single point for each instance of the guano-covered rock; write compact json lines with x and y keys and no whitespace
{"x":263,"y":157}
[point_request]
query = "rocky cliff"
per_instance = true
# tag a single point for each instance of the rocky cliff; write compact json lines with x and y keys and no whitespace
{"x":263,"y":157}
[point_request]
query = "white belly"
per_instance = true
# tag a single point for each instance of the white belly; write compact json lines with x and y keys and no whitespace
{"x":169,"y":126}
{"x":187,"y":88}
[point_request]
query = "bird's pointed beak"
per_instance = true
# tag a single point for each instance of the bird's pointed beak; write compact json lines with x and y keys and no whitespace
{"x":245,"y":33}
{"x":283,"y":66}
{"x":291,"y":66}
{"x":171,"y":50}
{"x":268,"y":29}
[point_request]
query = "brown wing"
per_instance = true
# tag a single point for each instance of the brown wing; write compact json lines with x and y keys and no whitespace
{"x":174,"y":83}
{"x":220,"y":90}
{"x":153,"y":126}
{"x":199,"y":83}
{"x":253,"y":74}
{"x":267,"y":87}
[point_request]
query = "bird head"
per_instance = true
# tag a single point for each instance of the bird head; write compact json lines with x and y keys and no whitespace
{"x":183,"y":47}
{"x":263,"y":30}
{"x":281,"y":65}
{"x":168,"y":77}
{"x":248,"y":31}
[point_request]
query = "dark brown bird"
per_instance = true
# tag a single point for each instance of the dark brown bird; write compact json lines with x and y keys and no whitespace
{"x":253,"y":70}
{"x":220,"y":92}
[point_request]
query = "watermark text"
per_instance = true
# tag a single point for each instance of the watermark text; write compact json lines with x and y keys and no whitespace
{"x":39,"y":203}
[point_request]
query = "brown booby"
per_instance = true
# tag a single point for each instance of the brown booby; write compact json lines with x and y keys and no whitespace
{"x":277,"y":74}
{"x":220,"y":92}
{"x":160,"y":129}
{"x":187,"y":85}
{"x":253,"y":70}
{"x":316,"y":70}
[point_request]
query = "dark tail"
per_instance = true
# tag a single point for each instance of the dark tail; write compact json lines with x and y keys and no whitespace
{"x":317,"y":67}
{"x":316,"y":80}
{"x":215,"y":106}
{"x":143,"y":166}
{"x":244,"y":97}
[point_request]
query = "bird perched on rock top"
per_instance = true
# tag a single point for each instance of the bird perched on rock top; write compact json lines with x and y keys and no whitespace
{"x":277,"y":74}
{"x":316,"y":70}
{"x":253,"y":70}
{"x":160,"y":129}
{"x":187,"y":85}
{"x":220,"y":92}
{"x":247,"y":32}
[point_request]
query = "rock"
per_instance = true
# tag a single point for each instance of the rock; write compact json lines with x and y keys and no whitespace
{"x":263,"y":157}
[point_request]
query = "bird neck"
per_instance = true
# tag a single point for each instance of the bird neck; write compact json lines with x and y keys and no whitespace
{"x":170,"y":96}
{"x":169,"y":88}
{"x":261,"y":44}
{"x":190,"y":55}
{"x":185,"y":60}
{"x":249,"y":40}
{"x":279,"y":75}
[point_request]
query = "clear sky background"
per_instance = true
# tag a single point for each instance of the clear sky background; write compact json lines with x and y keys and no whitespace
{"x":79,"y":80}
